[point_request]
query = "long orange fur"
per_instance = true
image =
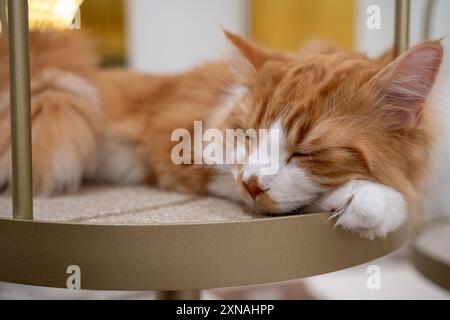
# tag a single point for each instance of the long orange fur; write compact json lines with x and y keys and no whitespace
{"x":326,"y":98}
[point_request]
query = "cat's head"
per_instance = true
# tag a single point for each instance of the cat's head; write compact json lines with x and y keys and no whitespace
{"x":340,"y":116}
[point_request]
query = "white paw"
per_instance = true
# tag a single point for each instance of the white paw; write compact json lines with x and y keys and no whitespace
{"x":368,"y":208}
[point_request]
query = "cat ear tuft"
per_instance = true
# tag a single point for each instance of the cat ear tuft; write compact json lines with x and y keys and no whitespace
{"x":253,"y":53}
{"x":406,"y":83}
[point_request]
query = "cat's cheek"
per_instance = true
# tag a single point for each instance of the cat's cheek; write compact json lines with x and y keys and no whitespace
{"x":265,"y":203}
{"x":226,"y":186}
{"x":293,"y":188}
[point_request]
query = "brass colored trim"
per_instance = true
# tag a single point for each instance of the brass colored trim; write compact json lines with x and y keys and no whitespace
{"x":431,"y":265}
{"x":3,"y":16}
{"x":22,"y":185}
{"x":435,"y":270}
{"x":248,"y":18}
{"x":427,"y":19}
{"x":171,"y":257}
{"x":401,"y":38}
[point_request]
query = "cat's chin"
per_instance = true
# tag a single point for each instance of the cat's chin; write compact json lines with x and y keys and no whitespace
{"x":256,"y":208}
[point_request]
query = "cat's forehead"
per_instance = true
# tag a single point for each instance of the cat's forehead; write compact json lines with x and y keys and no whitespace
{"x":305,"y":89}
{"x":307,"y":74}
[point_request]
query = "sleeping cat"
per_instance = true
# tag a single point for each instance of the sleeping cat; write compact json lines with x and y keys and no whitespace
{"x":354,"y":133}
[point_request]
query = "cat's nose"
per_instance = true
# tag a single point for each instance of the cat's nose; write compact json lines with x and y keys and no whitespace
{"x":252,"y":187}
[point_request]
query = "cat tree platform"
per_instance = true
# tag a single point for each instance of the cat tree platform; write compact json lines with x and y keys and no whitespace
{"x":139,"y":238}
{"x":431,"y":252}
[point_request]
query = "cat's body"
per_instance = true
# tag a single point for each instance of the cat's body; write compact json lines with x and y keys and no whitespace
{"x":357,"y":156}
{"x":96,"y":123}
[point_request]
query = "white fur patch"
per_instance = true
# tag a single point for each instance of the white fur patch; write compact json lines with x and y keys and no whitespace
{"x":368,"y":208}
{"x":67,"y":171}
{"x":118,"y":162}
{"x":290,"y":186}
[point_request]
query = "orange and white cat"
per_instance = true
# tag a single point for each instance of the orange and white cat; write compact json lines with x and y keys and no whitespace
{"x":355,"y":132}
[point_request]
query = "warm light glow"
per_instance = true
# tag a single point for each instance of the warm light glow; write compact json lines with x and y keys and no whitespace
{"x":57,"y":14}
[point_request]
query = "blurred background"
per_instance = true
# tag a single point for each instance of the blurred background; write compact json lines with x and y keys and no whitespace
{"x":173,"y":35}
{"x":169,"y":36}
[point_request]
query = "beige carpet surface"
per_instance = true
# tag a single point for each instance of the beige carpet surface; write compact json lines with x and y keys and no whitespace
{"x":131,"y":205}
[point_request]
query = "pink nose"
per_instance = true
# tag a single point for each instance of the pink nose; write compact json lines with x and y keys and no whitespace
{"x":252,"y":187}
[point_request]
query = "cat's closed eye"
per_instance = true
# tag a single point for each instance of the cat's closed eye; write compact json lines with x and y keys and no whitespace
{"x":298,"y":155}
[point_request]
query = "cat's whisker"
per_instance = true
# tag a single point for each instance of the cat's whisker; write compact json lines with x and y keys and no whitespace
{"x":338,"y":222}
{"x":319,"y":205}
{"x":337,"y":213}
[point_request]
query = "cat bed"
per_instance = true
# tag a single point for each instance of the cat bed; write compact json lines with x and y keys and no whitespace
{"x":141,"y":238}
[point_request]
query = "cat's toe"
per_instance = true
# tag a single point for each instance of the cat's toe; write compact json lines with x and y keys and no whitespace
{"x":336,"y":201}
{"x":367,"y":208}
{"x":374,"y":211}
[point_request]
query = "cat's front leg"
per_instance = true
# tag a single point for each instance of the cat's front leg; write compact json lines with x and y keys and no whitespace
{"x":368,"y":208}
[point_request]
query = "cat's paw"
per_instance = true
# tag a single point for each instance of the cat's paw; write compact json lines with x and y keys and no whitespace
{"x":368,"y":208}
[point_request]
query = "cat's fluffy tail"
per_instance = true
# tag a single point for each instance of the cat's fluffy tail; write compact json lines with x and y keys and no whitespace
{"x":65,"y":109}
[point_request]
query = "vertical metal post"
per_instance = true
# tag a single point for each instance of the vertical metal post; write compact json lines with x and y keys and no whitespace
{"x":19,"y":74}
{"x":248,"y":17}
{"x":427,"y":17}
{"x":401,"y":38}
{"x":178,"y":295}
{"x":3,"y":16}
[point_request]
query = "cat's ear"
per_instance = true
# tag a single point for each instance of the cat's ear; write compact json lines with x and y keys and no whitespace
{"x":254,"y":54}
{"x":404,"y":85}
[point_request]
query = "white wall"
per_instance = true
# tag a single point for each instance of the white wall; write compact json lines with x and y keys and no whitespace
{"x":172,"y":35}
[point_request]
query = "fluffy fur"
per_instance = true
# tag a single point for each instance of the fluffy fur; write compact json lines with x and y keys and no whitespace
{"x":356,"y":132}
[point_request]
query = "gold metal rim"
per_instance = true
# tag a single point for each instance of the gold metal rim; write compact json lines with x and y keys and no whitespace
{"x":182,"y":256}
{"x":432,"y":267}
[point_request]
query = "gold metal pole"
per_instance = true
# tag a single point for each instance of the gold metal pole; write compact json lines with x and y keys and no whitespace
{"x":19,"y":71}
{"x":248,"y":18}
{"x":401,"y":39}
{"x":427,"y":17}
{"x":3,"y":16}
{"x":178,"y":295}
